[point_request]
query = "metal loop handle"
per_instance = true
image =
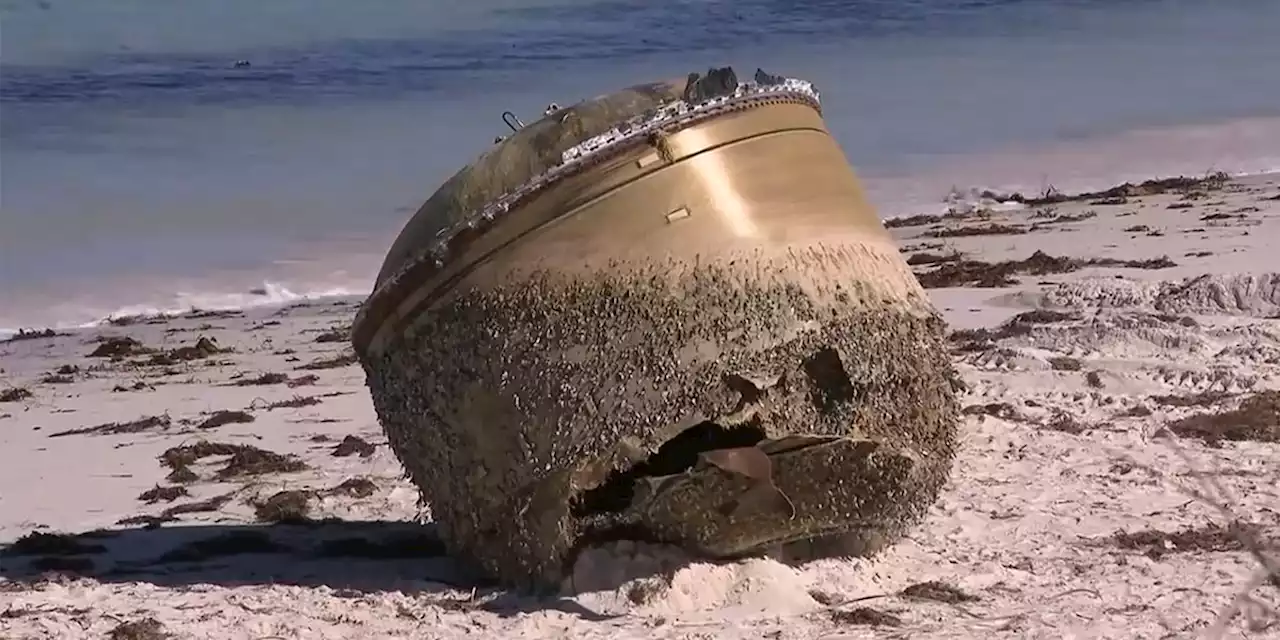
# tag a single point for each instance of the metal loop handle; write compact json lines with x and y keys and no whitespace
{"x":512,"y":121}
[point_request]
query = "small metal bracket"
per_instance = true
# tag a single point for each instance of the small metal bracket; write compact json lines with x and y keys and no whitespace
{"x":512,"y":121}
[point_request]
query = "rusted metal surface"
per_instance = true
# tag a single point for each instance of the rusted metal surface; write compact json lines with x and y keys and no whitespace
{"x":680,"y":321}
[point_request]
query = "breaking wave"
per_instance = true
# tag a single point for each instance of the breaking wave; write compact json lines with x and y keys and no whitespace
{"x":268,"y":294}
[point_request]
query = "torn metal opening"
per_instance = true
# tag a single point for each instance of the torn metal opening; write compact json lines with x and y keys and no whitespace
{"x":677,"y":455}
{"x":829,"y":386}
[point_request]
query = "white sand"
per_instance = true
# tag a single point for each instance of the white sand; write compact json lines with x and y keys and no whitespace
{"x":1025,"y":526}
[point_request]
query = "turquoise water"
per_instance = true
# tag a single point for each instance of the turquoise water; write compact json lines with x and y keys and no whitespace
{"x":141,"y":168}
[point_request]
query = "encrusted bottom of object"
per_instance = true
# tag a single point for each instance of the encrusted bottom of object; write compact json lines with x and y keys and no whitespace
{"x":721,"y":412}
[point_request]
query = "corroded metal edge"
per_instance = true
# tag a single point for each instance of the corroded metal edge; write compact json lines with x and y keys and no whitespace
{"x":450,"y":242}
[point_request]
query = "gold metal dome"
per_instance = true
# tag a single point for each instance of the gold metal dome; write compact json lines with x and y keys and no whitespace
{"x":666,"y":313}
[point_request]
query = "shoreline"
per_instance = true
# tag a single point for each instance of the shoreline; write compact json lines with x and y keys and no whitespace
{"x":1113,"y":347}
{"x":273,"y":294}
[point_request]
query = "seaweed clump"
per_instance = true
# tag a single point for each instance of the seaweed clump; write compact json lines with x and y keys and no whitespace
{"x":117,"y":347}
{"x":285,"y":507}
{"x":169,"y":514}
{"x":15,"y":394}
{"x":991,"y":229}
{"x":243,"y":460}
{"x":144,"y":629}
{"x":353,"y":445}
{"x":33,"y":334}
{"x":332,"y":362}
{"x":143,"y":424}
{"x":1119,"y":194}
{"x":203,"y":348}
{"x":1256,"y":419}
{"x":223,"y":417}
{"x":978,"y":273}
{"x":162,"y":494}
{"x":1157,"y":544}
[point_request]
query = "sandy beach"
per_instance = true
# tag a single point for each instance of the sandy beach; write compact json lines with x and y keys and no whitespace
{"x":222,"y":474}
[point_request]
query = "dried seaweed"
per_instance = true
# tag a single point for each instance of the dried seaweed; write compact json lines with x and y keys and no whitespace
{"x":1119,"y":194}
{"x":1257,"y":419}
{"x":295,"y":402}
{"x":865,"y":616}
{"x":163,"y":494}
{"x":1156,"y":544}
{"x":203,"y":348}
{"x":171,"y":513}
{"x":335,"y":362}
{"x":937,"y":592}
{"x":224,"y":417}
{"x":116,"y":347}
{"x":15,"y":394}
{"x":352,"y":445}
{"x":145,"y":423}
{"x":145,"y":629}
{"x":992,"y":229}
{"x":334,"y":335}
{"x":262,"y":380}
{"x":33,"y":334}
{"x":355,"y":487}
{"x":245,"y":460}
{"x":977,"y":273}
{"x":287,"y":507}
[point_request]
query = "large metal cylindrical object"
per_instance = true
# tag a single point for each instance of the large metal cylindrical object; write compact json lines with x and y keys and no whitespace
{"x":667,"y":313}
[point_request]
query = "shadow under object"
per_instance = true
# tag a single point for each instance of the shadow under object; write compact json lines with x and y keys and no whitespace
{"x":667,"y":313}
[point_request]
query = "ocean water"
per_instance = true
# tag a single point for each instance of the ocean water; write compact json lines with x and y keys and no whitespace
{"x":140,"y":169}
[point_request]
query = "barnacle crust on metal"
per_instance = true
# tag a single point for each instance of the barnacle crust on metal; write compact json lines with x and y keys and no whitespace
{"x":666,"y":313}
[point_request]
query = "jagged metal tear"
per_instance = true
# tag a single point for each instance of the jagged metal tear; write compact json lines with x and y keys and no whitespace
{"x":734,"y":444}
